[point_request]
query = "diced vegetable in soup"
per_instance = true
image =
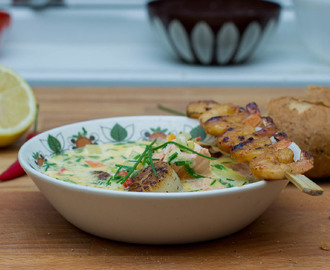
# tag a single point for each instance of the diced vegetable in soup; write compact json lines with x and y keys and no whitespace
{"x":145,"y":166}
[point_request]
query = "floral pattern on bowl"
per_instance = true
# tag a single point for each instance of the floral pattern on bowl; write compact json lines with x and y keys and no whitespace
{"x":114,"y":130}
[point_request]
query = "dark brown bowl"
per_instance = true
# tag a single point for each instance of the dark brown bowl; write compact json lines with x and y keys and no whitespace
{"x":214,"y":31}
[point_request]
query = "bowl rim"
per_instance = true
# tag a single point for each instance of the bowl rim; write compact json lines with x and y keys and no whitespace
{"x":117,"y":193}
{"x":167,"y":7}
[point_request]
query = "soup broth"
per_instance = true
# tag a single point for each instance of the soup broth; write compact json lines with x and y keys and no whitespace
{"x":103,"y":166}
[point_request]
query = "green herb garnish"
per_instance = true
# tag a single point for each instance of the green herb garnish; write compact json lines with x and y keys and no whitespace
{"x":95,"y":157}
{"x":146,"y":150}
{"x":219,"y":166}
{"x":161,"y":107}
{"x":123,"y":166}
{"x":48,"y":165}
{"x":79,"y":158}
{"x":151,"y":163}
{"x":106,"y":159}
{"x":173,"y":156}
{"x":191,"y":172}
{"x":182,"y":162}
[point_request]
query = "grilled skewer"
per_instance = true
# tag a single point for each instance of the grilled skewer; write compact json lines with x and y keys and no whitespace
{"x":244,"y":134}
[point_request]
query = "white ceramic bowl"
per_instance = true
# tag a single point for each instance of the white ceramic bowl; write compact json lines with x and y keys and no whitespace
{"x":145,"y":218}
{"x":313,"y":23}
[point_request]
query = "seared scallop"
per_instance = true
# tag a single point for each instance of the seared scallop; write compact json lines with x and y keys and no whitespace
{"x":166,"y":180}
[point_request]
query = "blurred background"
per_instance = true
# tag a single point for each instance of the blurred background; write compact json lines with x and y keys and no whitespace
{"x":111,"y":43}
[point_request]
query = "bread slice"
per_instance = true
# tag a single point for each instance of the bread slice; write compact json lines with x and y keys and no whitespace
{"x":319,"y":94}
{"x":307,"y":122}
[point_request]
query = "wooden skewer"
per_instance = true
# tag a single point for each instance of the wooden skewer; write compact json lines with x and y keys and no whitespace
{"x":304,"y":184}
{"x":300,"y":181}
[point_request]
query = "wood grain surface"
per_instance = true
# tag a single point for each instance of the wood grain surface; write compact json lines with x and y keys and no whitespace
{"x":293,"y":233}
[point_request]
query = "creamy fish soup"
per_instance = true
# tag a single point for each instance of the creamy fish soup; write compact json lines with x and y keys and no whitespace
{"x":146,"y":166}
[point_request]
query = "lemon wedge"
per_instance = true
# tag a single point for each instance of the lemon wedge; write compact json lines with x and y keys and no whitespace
{"x":17,"y":106}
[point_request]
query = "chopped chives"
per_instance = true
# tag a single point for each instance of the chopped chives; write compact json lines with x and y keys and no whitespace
{"x":136,"y":157}
{"x":213,"y":182}
{"x":182,"y":162}
{"x":106,"y":159}
{"x":114,"y":176}
{"x":123,"y":166}
{"x":170,"y":110}
{"x":139,"y":160}
{"x":191,"y":172}
{"x":120,"y":180}
{"x":151,"y":163}
{"x":48,"y":165}
{"x":173,"y":156}
{"x":79,"y":158}
{"x":219,"y":166}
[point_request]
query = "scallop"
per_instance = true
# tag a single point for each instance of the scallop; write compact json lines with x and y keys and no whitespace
{"x":166,"y":180}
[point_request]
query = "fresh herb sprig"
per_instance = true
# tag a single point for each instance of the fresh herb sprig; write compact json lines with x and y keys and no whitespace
{"x":146,"y":158}
{"x":219,"y":166}
{"x":191,"y":172}
{"x":181,"y":147}
{"x":143,"y":155}
{"x":166,"y":109}
{"x":151,"y":163}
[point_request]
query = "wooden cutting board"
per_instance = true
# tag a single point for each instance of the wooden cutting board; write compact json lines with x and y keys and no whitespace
{"x":293,"y":233}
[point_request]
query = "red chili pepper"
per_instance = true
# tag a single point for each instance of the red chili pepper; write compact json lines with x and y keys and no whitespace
{"x":31,"y":135}
{"x":16,"y":170}
{"x":198,"y":138}
{"x":128,"y":182}
{"x":61,"y":171}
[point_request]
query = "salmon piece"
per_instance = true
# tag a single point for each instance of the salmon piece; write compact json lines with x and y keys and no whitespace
{"x":199,"y":164}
